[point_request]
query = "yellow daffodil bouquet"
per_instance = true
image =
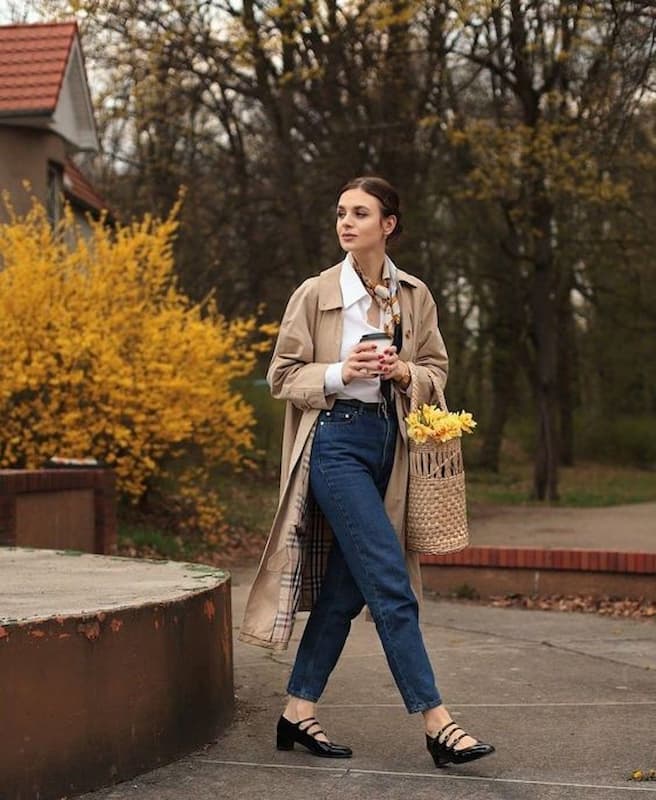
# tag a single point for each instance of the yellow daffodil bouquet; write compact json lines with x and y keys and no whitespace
{"x":431,"y":424}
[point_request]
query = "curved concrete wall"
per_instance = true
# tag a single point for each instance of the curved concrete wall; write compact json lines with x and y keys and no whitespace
{"x":90,"y":696}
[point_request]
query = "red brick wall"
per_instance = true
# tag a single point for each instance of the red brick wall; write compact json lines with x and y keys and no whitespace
{"x":27,"y":483}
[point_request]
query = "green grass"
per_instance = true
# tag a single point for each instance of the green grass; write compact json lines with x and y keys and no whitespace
{"x":251,"y":500}
{"x":146,"y":540}
{"x":582,"y":486}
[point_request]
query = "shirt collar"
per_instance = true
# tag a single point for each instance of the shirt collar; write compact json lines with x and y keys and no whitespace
{"x":352,"y":287}
{"x":350,"y":283}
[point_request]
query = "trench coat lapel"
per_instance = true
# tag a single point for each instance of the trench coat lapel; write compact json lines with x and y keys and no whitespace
{"x":406,"y":285}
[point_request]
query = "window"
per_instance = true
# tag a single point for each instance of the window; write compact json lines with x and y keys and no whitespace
{"x":54,"y":195}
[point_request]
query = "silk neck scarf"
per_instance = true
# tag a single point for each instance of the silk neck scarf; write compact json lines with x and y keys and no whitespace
{"x":384,"y":294}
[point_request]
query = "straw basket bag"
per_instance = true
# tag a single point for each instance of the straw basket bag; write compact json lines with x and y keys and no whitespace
{"x":437,"y":511}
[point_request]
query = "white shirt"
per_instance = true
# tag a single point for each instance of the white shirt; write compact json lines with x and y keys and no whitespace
{"x":356,"y":301}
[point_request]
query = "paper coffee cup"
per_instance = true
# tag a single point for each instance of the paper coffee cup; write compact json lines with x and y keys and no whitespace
{"x":381,"y":340}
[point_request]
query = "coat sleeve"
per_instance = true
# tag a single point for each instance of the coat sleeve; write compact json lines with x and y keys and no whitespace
{"x":293,"y":373}
{"x":431,"y":361}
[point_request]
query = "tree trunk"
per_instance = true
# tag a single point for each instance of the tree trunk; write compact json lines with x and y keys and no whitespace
{"x":508,"y":327}
{"x":567,"y":357}
{"x":503,"y":371}
{"x":545,"y":476}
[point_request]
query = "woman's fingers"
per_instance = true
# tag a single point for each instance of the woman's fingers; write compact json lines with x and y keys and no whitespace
{"x":367,"y":360}
{"x":365,"y":349}
{"x":364,"y":354}
{"x":363,"y":360}
{"x":388,"y":359}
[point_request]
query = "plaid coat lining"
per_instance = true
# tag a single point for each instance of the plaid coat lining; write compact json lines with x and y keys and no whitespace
{"x":309,"y":539}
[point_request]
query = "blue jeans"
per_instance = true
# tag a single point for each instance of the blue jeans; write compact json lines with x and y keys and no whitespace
{"x":351,"y":463}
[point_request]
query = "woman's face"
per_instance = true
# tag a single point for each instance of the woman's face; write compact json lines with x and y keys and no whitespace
{"x":360,"y":222}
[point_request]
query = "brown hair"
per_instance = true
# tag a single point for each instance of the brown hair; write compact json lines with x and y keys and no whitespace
{"x":384,"y":192}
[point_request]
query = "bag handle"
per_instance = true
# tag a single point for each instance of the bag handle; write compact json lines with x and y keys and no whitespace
{"x":414,"y":389}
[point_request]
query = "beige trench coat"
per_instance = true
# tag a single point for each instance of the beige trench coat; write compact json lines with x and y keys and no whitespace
{"x":292,"y":565}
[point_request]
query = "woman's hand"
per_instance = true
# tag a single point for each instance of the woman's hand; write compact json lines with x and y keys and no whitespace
{"x":392,"y":368}
{"x":362,"y":363}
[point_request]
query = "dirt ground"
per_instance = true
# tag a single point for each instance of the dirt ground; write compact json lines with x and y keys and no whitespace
{"x":624,"y":528}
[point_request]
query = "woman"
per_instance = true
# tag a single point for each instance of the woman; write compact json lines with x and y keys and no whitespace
{"x":337,"y":541}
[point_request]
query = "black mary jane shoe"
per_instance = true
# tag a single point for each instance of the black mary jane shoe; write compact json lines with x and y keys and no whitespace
{"x":289,"y":733}
{"x":442,"y":747}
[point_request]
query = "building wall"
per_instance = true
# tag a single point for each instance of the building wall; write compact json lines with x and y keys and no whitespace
{"x":24,"y":155}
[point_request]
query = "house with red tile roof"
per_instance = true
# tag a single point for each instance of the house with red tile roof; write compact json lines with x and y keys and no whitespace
{"x":46,"y":118}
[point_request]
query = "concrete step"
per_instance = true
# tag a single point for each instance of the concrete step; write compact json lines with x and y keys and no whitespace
{"x":108,"y":667}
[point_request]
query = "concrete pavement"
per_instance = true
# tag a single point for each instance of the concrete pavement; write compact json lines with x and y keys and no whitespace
{"x":569,"y":700}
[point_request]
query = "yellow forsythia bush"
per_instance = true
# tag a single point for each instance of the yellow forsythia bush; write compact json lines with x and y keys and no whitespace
{"x":102,"y":355}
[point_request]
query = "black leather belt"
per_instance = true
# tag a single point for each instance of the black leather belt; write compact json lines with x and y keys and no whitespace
{"x":360,"y":404}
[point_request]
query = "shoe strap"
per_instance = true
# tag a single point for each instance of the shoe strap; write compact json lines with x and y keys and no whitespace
{"x":451,"y":737}
{"x":455,"y":741}
{"x":448,"y":725}
{"x":313,"y":721}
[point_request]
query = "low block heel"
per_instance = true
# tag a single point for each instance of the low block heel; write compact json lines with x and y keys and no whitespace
{"x":284,"y":743}
{"x":438,"y":758}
